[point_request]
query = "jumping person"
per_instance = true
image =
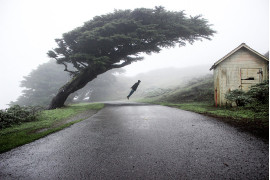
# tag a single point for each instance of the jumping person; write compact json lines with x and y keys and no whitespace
{"x":134,"y":88}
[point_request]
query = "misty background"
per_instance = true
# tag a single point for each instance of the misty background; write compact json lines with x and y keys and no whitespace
{"x":29,"y":27}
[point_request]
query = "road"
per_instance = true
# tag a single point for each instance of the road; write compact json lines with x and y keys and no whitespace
{"x":139,"y":141}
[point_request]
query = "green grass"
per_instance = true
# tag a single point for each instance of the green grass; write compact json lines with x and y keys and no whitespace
{"x":49,"y":120}
{"x":223,"y":112}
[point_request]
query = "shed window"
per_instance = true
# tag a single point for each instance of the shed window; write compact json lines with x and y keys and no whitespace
{"x":249,"y":78}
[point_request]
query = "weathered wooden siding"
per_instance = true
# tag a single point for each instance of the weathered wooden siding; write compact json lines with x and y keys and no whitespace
{"x":216,"y":87}
{"x":236,"y":72}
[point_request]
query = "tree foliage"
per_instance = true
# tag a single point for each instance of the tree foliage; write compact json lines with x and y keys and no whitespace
{"x":116,"y":39}
{"x":120,"y":36}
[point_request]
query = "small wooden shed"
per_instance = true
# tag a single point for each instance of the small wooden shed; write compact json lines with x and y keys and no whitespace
{"x":239,"y":69}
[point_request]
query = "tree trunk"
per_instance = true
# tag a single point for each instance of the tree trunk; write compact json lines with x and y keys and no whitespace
{"x":73,"y":85}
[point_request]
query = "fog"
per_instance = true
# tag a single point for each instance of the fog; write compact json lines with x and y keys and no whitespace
{"x":43,"y":83}
{"x":29,"y":27}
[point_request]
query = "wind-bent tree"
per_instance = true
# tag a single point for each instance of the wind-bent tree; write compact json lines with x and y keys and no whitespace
{"x":105,"y":87}
{"x":115,"y":40}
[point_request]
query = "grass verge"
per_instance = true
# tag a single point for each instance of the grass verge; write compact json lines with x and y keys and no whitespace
{"x":49,"y":121}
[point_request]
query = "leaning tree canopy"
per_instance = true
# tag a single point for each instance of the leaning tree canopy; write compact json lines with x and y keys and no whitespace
{"x":116,"y":39}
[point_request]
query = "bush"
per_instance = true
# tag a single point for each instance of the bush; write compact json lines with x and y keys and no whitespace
{"x":238,"y":96}
{"x":257,"y":96}
{"x":16,"y":115}
{"x":260,"y":93}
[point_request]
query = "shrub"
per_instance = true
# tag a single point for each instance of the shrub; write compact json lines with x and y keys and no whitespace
{"x":238,"y":96}
{"x":260,"y":93}
{"x":17,"y":114}
{"x":257,"y":96}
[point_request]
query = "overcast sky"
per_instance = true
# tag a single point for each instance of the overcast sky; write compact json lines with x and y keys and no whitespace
{"x":28,"y":29}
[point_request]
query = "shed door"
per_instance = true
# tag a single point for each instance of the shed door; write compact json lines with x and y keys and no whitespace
{"x":250,"y":77}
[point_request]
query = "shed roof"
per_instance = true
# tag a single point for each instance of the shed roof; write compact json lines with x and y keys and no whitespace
{"x":243,"y":45}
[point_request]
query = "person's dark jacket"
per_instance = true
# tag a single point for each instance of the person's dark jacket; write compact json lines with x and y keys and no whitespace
{"x":135,"y":86}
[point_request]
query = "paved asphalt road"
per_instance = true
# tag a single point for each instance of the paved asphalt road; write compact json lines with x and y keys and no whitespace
{"x":136,"y":141}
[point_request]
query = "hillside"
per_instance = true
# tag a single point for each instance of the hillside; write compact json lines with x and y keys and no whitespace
{"x":195,"y":90}
{"x":110,"y":86}
{"x":170,"y":77}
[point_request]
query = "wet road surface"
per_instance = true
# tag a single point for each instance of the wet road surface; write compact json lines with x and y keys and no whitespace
{"x":137,"y":141}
